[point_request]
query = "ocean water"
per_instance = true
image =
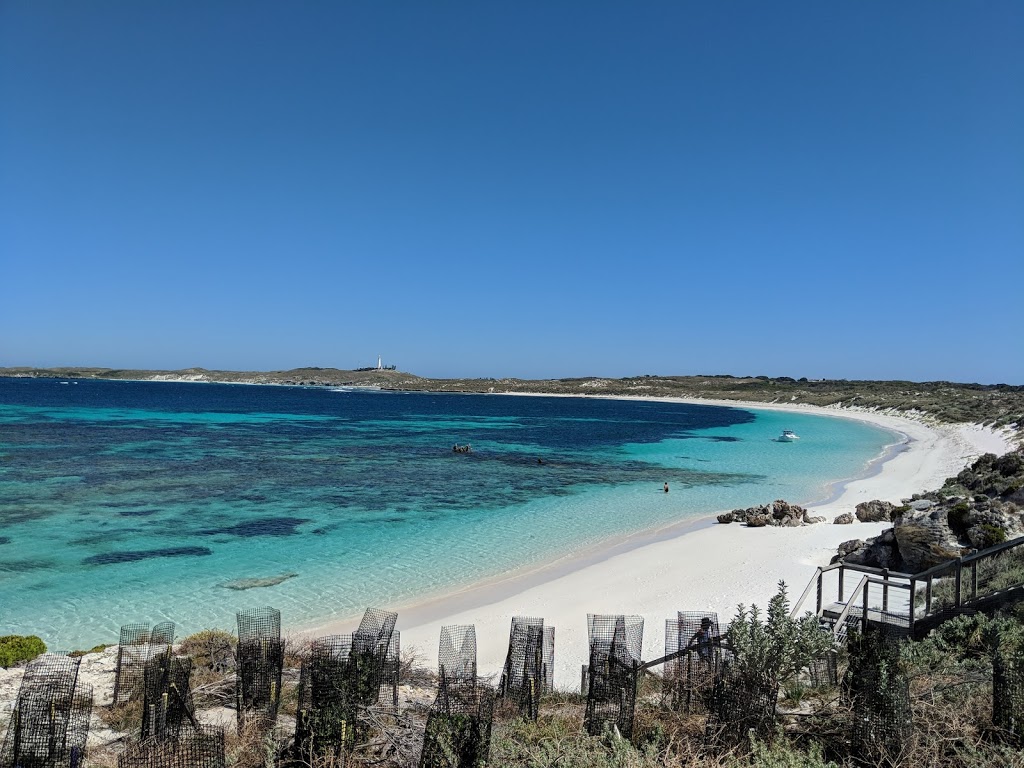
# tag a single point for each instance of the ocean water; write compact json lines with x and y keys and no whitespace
{"x":134,"y":501}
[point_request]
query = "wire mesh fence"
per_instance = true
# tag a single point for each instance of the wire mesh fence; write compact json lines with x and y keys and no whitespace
{"x":1008,"y":692}
{"x":458,"y":730}
{"x":202,"y":748}
{"x":548,"y":649}
{"x":167,"y":695}
{"x":688,"y":680}
{"x":823,"y":672}
{"x":137,"y":642}
{"x":740,"y":707}
{"x":522,"y":679}
{"x":615,"y":647}
{"x":456,"y":658}
{"x":259,"y":624}
{"x":259,"y":662}
{"x":49,"y":726}
{"x":390,"y":677}
{"x":878,"y":691}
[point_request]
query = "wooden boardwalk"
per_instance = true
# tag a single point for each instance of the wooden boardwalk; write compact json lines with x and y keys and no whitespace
{"x":913,"y":603}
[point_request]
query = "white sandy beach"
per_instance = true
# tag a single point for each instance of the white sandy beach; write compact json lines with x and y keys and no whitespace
{"x":698,"y":567}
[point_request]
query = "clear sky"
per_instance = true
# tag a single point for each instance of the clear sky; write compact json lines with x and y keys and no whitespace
{"x":535,"y":189}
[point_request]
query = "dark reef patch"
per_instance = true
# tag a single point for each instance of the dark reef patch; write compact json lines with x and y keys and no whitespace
{"x":268,"y":526}
{"x":137,"y":512}
{"x":129,"y":557}
{"x":5,"y":539}
{"x":27,"y":564}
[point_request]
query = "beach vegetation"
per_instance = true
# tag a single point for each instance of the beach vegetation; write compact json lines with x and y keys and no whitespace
{"x":957,"y":517}
{"x":16,"y":649}
{"x":990,"y":535}
{"x":95,"y":649}
{"x":774,"y":649}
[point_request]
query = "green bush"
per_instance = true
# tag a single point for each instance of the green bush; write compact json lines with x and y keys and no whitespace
{"x":991,"y":535}
{"x":18,"y":648}
{"x":958,"y":518}
{"x":211,"y":649}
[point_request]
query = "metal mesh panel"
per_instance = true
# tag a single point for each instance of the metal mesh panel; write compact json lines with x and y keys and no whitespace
{"x":163,"y":634}
{"x":739,"y":708}
{"x":879,"y":693}
{"x":49,"y":726}
{"x":259,"y":624}
{"x":523,"y":677}
{"x":132,"y":652}
{"x":390,"y":675}
{"x":456,"y":657}
{"x":458,"y":732}
{"x":688,"y":681}
{"x":823,"y":672}
{"x":193,"y":749}
{"x":342,"y":675}
{"x":259,"y":663}
{"x":1008,"y":693}
{"x":548,"y":650}
{"x":615,"y":646}
{"x":379,"y":624}
{"x":167,"y":703}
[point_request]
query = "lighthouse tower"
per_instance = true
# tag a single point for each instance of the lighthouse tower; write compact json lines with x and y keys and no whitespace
{"x":380,"y":364}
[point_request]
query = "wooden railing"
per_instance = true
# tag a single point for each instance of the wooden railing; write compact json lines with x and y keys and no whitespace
{"x":918,"y":606}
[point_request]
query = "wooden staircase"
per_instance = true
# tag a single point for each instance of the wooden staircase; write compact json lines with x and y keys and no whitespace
{"x":913,"y":604}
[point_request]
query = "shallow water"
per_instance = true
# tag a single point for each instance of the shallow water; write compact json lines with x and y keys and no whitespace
{"x":129,"y":501}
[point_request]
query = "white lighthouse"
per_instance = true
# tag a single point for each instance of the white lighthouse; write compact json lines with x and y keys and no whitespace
{"x":380,"y":364}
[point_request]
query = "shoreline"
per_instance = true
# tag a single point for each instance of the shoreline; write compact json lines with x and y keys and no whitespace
{"x":657,"y":572}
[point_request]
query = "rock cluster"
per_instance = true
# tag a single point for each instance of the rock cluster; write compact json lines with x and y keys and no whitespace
{"x":876,"y":511}
{"x":777,"y":513}
{"x":960,"y":518}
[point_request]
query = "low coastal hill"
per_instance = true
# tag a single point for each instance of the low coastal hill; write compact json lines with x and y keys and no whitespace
{"x":995,"y":405}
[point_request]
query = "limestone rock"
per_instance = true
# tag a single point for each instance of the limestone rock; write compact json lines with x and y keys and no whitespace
{"x":875,"y":511}
{"x":844,"y":519}
{"x":725,"y":518}
{"x":879,"y":552}
{"x":757,"y":521}
{"x":924,"y":538}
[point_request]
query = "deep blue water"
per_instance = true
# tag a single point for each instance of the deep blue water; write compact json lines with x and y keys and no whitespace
{"x":127,"y":501}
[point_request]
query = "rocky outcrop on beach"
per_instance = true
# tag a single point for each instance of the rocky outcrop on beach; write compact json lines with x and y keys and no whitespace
{"x":979,"y":508}
{"x":844,"y":519}
{"x":876,"y":511}
{"x":778,"y":513}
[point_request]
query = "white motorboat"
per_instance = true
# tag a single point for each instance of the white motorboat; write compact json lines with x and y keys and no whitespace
{"x":788,"y":436}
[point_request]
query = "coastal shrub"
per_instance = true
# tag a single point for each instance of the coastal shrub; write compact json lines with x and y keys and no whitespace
{"x":94,"y":649}
{"x":773,"y":650}
{"x":15,"y":649}
{"x":991,"y":535}
{"x":211,"y":649}
{"x":958,"y":518}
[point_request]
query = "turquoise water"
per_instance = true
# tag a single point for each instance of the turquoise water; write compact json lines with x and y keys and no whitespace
{"x":128,"y":501}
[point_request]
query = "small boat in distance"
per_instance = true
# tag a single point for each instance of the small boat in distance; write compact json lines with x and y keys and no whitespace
{"x":788,"y":436}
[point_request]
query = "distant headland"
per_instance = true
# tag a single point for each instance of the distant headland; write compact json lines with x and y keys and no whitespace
{"x":995,"y":405}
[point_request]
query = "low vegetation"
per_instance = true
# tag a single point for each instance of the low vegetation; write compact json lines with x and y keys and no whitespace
{"x":15,"y":649}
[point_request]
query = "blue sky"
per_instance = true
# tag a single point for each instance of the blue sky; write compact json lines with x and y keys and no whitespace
{"x":536,"y":189}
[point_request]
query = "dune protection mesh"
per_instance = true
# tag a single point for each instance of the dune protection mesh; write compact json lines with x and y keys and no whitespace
{"x":259,"y":661}
{"x":689,"y":679}
{"x":49,"y":726}
{"x":202,"y":748}
{"x":615,"y":647}
{"x":523,"y":677}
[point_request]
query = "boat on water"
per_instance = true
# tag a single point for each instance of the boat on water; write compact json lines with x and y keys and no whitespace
{"x":788,"y":436}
